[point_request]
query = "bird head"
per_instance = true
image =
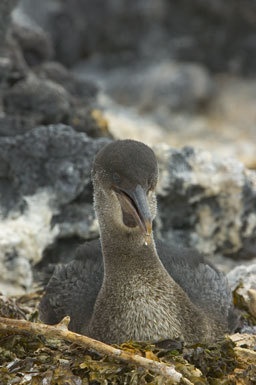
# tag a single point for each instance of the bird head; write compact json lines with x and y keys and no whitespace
{"x":125,"y":172}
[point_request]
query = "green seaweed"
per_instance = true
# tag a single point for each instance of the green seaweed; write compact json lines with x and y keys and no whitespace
{"x":215,"y":361}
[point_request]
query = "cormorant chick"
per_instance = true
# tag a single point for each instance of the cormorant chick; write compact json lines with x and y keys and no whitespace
{"x":131,"y":293}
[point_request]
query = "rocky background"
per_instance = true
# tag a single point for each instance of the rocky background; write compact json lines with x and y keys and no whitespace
{"x":74,"y":75}
{"x":179,"y":76}
{"x":185,"y":70}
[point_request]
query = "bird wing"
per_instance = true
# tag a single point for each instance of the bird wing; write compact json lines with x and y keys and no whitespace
{"x":205,"y":285}
{"x":73,"y":289}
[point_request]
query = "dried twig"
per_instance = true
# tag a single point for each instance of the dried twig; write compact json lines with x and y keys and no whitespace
{"x":61,"y":331}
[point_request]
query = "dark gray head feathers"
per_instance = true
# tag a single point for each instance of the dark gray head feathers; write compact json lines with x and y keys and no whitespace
{"x":127,"y":163}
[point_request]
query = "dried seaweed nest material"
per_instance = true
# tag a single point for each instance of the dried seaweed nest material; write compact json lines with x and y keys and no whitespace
{"x":61,"y":332}
{"x":34,"y":353}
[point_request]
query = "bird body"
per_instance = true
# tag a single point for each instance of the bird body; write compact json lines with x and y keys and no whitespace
{"x":129,"y":293}
{"x":146,"y":304}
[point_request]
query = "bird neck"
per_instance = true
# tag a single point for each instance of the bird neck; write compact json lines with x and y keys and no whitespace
{"x":124,"y":249}
{"x":127,"y":251}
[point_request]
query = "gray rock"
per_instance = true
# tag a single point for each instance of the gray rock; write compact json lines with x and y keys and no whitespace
{"x":48,"y":156}
{"x":77,"y":28}
{"x":45,"y":101}
{"x":12,"y":63}
{"x":5,"y":66}
{"x":84,"y":115}
{"x":215,"y":33}
{"x":17,"y":67}
{"x":207,"y":202}
{"x":43,"y":94}
{"x":45,"y":198}
{"x":15,"y":125}
{"x":159,"y":88}
{"x":34,"y":43}
{"x":6,"y":7}
{"x":77,"y":220}
{"x":23,"y":237}
{"x":56,"y":72}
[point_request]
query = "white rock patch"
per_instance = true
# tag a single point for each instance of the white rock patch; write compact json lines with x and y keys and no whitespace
{"x":22,"y":241}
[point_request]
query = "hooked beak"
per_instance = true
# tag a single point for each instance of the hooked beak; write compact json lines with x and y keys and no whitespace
{"x":134,"y":205}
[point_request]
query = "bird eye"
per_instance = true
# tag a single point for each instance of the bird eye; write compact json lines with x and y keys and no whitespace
{"x":116,"y":178}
